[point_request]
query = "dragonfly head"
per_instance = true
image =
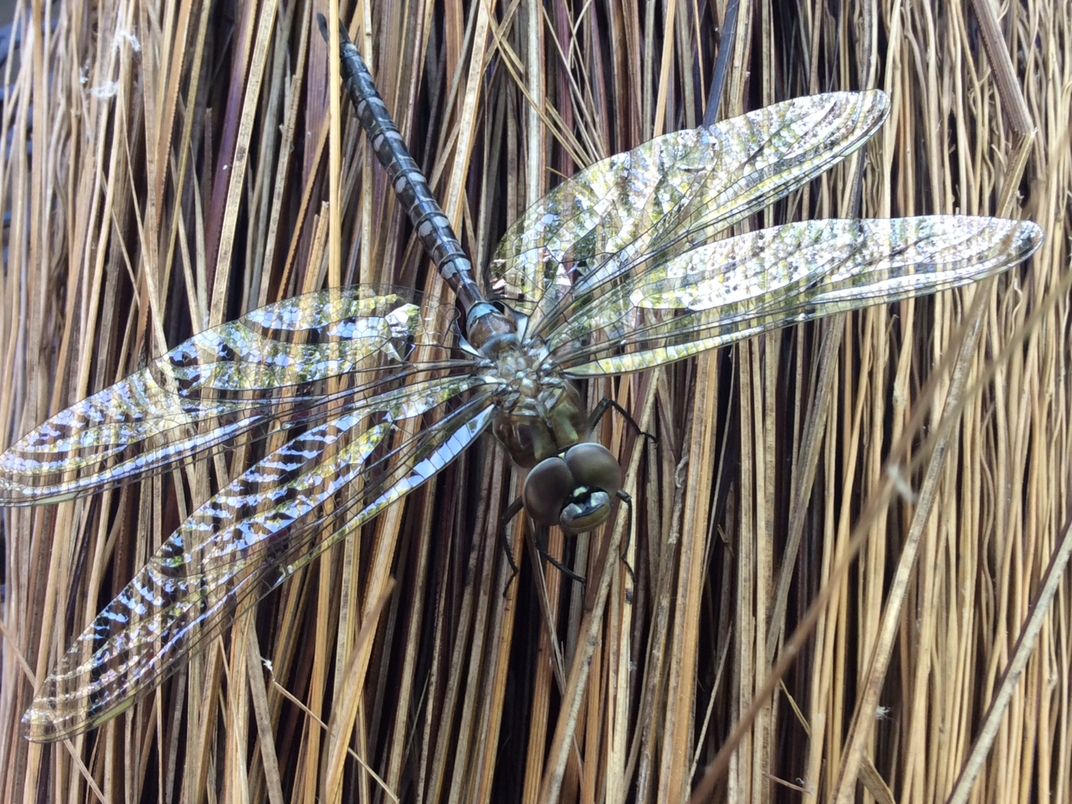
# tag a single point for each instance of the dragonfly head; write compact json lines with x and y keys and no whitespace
{"x":574,"y":490}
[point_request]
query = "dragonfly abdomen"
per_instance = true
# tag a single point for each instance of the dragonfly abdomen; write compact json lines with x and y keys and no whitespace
{"x":431,"y":223}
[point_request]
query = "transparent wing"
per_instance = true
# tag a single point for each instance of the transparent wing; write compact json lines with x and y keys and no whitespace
{"x":691,"y":183}
{"x":268,"y":523}
{"x":270,"y":365}
{"x":723,"y":292}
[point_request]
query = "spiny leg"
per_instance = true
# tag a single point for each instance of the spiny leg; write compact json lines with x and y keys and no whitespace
{"x":511,"y":511}
{"x":540,"y":545}
{"x":600,"y":410}
{"x":605,"y":404}
{"x":624,"y":551}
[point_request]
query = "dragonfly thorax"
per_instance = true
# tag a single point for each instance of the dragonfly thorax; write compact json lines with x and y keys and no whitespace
{"x":540,"y":412}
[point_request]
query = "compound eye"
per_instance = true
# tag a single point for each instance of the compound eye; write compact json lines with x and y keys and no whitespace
{"x":547,"y":489}
{"x":593,"y":466}
{"x":586,"y":514}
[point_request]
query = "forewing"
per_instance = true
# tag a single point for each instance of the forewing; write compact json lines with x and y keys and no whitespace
{"x":269,"y":522}
{"x":690,"y":184}
{"x":270,"y":365}
{"x":736,"y":288}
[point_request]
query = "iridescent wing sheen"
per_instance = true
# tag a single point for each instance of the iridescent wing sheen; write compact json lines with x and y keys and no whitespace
{"x":689,"y":184}
{"x":271,"y":365}
{"x":268,"y":523}
{"x":718,"y":293}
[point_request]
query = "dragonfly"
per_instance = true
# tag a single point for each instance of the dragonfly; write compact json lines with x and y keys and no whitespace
{"x":621,"y":268}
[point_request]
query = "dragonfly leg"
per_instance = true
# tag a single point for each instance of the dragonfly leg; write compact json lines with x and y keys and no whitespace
{"x":541,"y":550}
{"x":605,"y":404}
{"x":624,"y":551}
{"x":540,"y":545}
{"x":504,"y":541}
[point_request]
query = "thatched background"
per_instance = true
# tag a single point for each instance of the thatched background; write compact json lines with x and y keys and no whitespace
{"x":167,"y":169}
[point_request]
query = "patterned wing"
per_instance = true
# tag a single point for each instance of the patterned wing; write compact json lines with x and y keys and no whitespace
{"x":691,"y":183}
{"x":722,"y":292}
{"x":270,"y":365}
{"x":268,"y":523}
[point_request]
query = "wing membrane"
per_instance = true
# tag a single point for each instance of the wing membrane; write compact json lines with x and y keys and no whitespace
{"x":735,"y":288}
{"x":271,"y":521}
{"x":690,"y":184}
{"x":269,"y":365}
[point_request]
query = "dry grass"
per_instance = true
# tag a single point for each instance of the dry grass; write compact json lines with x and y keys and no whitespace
{"x":847,"y":538}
